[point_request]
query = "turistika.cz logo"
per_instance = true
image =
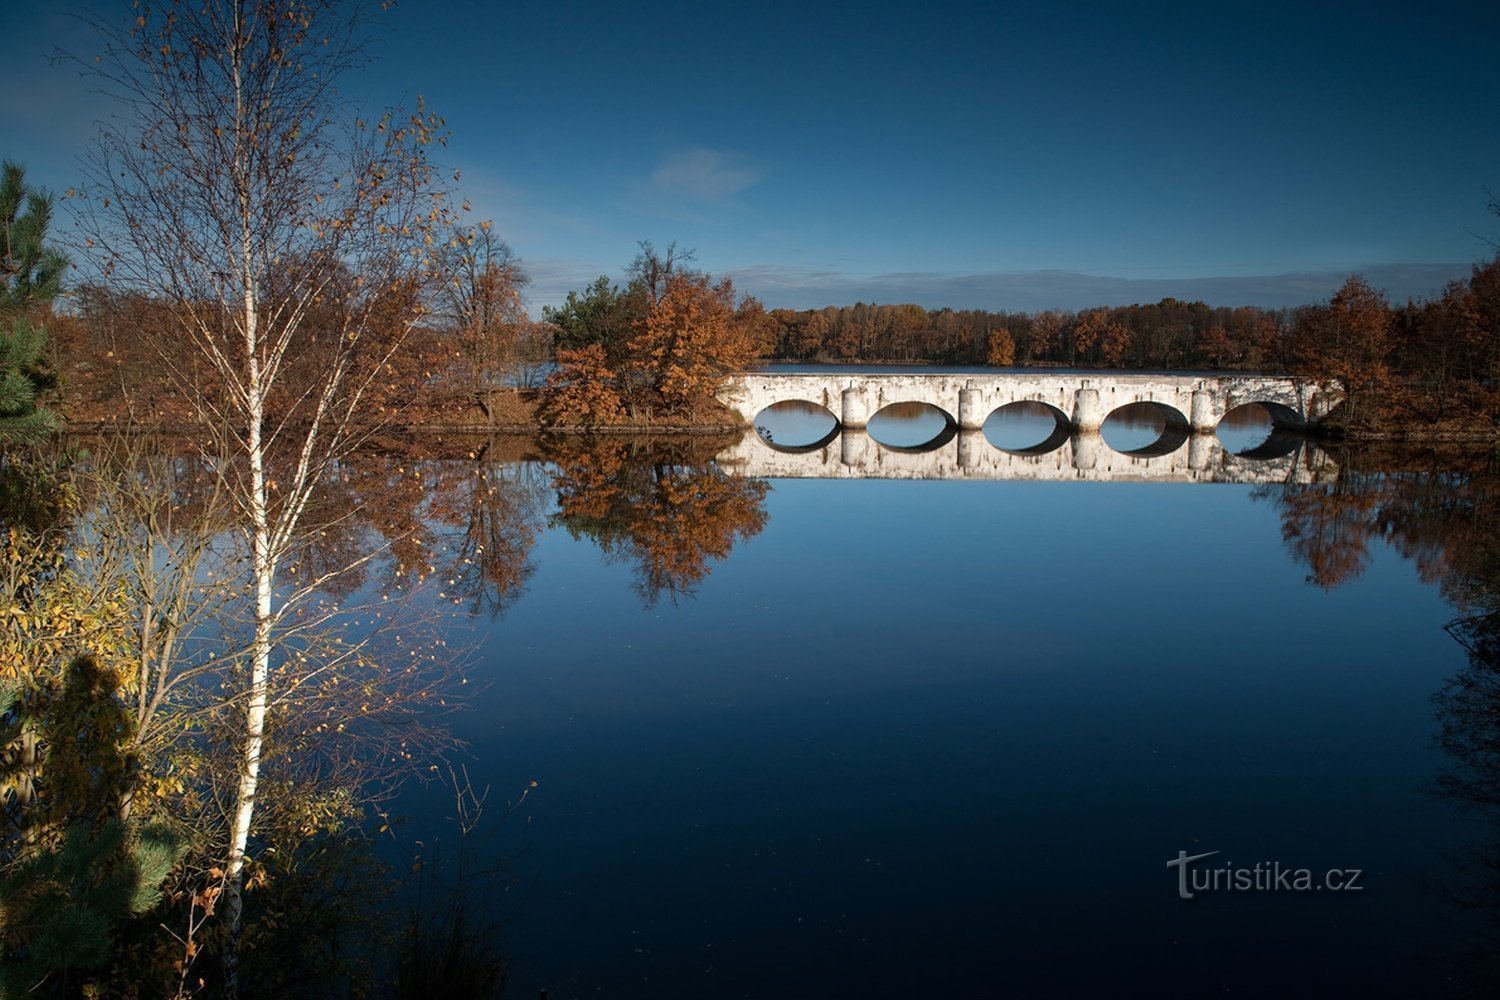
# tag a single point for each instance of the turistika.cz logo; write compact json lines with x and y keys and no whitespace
{"x":1266,"y":876}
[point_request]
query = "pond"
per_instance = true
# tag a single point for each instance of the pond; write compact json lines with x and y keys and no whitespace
{"x":895,"y":737}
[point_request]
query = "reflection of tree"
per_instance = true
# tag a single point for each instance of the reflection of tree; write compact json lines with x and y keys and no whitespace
{"x":1468,"y":713}
{"x":1327,"y":529}
{"x":497,"y":506}
{"x":76,"y":866}
{"x":468,"y":521}
{"x":1441,"y":511}
{"x":666,"y":509}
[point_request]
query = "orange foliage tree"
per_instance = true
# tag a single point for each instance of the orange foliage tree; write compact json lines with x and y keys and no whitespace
{"x":581,"y":390}
{"x":482,"y":309}
{"x":1002,"y":349}
{"x":692,"y":337}
{"x":659,"y":348}
{"x":1345,"y":344}
{"x":1097,"y":332}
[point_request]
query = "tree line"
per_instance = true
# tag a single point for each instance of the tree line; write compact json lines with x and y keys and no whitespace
{"x":1168,"y":334}
{"x":1429,"y":367}
{"x":655,"y":347}
{"x":439,"y":348}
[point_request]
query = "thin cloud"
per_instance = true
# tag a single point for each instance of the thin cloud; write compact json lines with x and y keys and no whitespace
{"x":1029,"y":291}
{"x":704,"y":175}
{"x":553,"y":278}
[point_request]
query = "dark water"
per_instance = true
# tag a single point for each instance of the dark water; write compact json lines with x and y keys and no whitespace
{"x":873,"y":738}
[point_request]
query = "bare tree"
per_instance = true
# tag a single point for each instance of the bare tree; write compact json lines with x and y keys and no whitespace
{"x":294,"y":237}
{"x":651,"y":269}
{"x":483,"y":303}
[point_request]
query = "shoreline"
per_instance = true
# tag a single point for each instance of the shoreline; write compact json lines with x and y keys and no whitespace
{"x":1333,"y":435}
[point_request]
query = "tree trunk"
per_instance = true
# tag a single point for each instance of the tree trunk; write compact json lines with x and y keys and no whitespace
{"x":255,"y":707}
{"x":264,"y":569}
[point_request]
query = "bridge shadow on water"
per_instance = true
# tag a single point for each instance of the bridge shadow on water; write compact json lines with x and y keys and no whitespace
{"x":768,"y":438}
{"x":1279,"y":444}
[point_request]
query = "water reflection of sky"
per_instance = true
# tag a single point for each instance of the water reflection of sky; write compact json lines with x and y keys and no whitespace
{"x":915,"y":736}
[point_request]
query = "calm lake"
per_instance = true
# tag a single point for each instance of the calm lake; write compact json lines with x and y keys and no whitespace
{"x":805,"y":737}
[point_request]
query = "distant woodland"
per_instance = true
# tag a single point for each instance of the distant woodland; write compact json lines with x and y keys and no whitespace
{"x":654,"y":348}
{"x":1167,"y":334}
{"x":1433,"y":364}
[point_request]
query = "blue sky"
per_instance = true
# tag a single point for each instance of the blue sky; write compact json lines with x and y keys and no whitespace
{"x":1015,"y":156}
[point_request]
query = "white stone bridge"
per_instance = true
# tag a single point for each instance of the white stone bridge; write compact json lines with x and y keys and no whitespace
{"x":1199,"y":458}
{"x":1080,"y":402}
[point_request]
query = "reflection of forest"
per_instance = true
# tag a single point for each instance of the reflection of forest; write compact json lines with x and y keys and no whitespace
{"x":466,"y":512}
{"x":659,"y":504}
{"x":662,"y":506}
{"x":1439,"y":508}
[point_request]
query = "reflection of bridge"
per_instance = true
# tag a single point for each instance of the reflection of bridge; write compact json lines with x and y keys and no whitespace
{"x":1080,"y":457}
{"x":1079,"y":402}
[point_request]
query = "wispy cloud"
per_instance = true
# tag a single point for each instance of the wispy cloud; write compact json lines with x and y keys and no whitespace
{"x":704,"y":175}
{"x":552,"y":278}
{"x":1029,"y":291}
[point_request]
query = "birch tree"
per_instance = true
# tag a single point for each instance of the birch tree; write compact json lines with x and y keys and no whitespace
{"x":237,"y":180}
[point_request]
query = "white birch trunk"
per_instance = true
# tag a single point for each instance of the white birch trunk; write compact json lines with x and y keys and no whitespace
{"x":263,"y":560}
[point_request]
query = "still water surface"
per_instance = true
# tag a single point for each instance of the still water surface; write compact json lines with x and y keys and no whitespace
{"x":912,"y":738}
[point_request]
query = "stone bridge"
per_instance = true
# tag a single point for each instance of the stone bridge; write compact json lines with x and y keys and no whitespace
{"x":853,"y":454}
{"x":1080,"y":402}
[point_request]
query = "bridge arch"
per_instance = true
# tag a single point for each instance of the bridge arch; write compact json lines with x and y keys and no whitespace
{"x":1279,"y":445}
{"x":1173,"y":432}
{"x":1260,"y":429}
{"x":1028,"y":411}
{"x":911,"y":425}
{"x":1283,"y":417}
{"x":794,"y":426}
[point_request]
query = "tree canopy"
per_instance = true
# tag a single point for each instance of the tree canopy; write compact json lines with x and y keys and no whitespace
{"x":31,"y":275}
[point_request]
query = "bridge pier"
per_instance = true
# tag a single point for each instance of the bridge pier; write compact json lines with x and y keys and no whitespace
{"x":1086,"y":448}
{"x":1206,"y":412}
{"x":856,"y":450}
{"x":973,"y":448}
{"x":971,"y":410}
{"x":854,"y":411}
{"x":1088,"y":412}
{"x":1201,"y":449}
